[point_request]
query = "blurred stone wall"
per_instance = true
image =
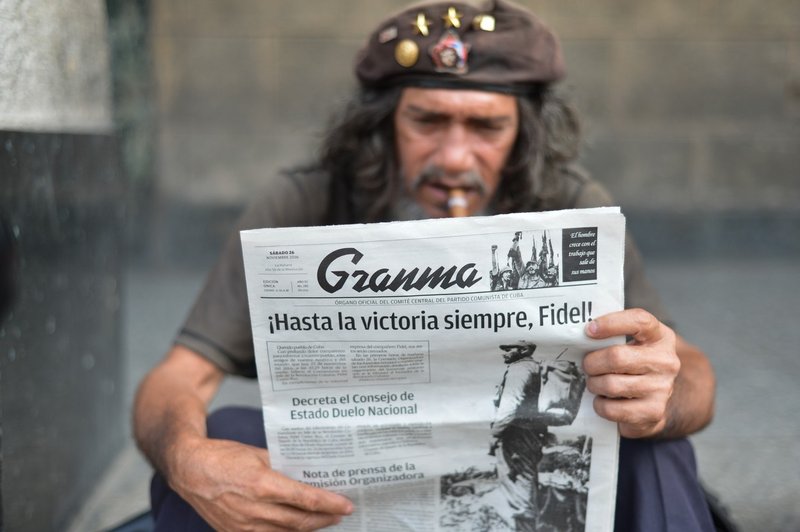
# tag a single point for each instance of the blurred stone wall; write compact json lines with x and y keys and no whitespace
{"x":691,"y":108}
{"x":691,"y":105}
{"x":62,"y":204}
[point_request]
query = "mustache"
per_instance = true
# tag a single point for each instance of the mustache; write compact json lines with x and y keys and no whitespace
{"x":434,"y":174}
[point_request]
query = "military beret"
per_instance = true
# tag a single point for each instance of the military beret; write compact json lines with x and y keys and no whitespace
{"x":502,"y":48}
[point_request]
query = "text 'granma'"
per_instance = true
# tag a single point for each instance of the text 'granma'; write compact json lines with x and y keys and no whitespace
{"x":382,"y":279}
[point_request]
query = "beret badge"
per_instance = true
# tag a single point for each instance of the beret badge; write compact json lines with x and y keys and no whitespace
{"x":449,"y":54}
{"x":406,"y":53}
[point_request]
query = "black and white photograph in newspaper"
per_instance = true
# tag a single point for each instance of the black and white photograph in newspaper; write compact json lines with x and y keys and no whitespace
{"x":512,"y":272}
{"x":540,"y":478}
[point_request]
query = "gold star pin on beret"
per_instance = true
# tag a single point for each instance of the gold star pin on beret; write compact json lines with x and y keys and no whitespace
{"x":452,"y":19}
{"x":421,"y":25}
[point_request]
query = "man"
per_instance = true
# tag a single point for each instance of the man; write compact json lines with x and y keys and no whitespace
{"x":451,"y":97}
{"x":500,"y":279}
{"x":525,"y":407}
{"x":530,"y":277}
{"x":518,"y":440}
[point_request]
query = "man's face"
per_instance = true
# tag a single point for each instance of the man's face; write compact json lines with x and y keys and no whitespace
{"x":453,"y":139}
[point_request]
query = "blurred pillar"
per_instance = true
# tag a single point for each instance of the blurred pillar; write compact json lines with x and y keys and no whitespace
{"x":134,"y":116}
{"x":62,"y":195}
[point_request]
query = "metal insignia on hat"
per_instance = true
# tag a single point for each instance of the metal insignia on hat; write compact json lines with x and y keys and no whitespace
{"x":421,"y":25}
{"x":389,"y":34}
{"x":483,"y":22}
{"x":450,"y":53}
{"x":406,"y":53}
{"x":452,"y":19}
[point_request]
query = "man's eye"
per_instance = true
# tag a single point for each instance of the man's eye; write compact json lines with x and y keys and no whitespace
{"x":488,"y":126}
{"x":425,"y":120}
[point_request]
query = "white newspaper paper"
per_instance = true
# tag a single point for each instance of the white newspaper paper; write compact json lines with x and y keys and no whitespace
{"x":431,"y":370}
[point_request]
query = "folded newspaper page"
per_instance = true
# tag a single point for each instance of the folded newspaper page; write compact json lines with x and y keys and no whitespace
{"x":431,"y":370}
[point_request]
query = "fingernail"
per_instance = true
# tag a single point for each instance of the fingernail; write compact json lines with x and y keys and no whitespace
{"x":591,"y":328}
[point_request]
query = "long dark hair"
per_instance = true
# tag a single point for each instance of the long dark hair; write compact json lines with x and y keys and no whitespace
{"x":358,"y":154}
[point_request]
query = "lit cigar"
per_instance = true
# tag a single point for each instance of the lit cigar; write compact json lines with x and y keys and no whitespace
{"x":457,"y":203}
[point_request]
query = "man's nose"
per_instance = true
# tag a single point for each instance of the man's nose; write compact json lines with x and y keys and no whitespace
{"x":455,"y":155}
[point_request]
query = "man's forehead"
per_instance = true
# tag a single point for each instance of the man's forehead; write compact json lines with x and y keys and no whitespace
{"x":457,"y":101}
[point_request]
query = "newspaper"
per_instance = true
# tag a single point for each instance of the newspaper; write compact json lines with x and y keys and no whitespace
{"x":431,"y":370}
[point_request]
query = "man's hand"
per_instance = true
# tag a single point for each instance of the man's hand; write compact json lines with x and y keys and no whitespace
{"x":233,"y":487}
{"x":655,"y":385}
